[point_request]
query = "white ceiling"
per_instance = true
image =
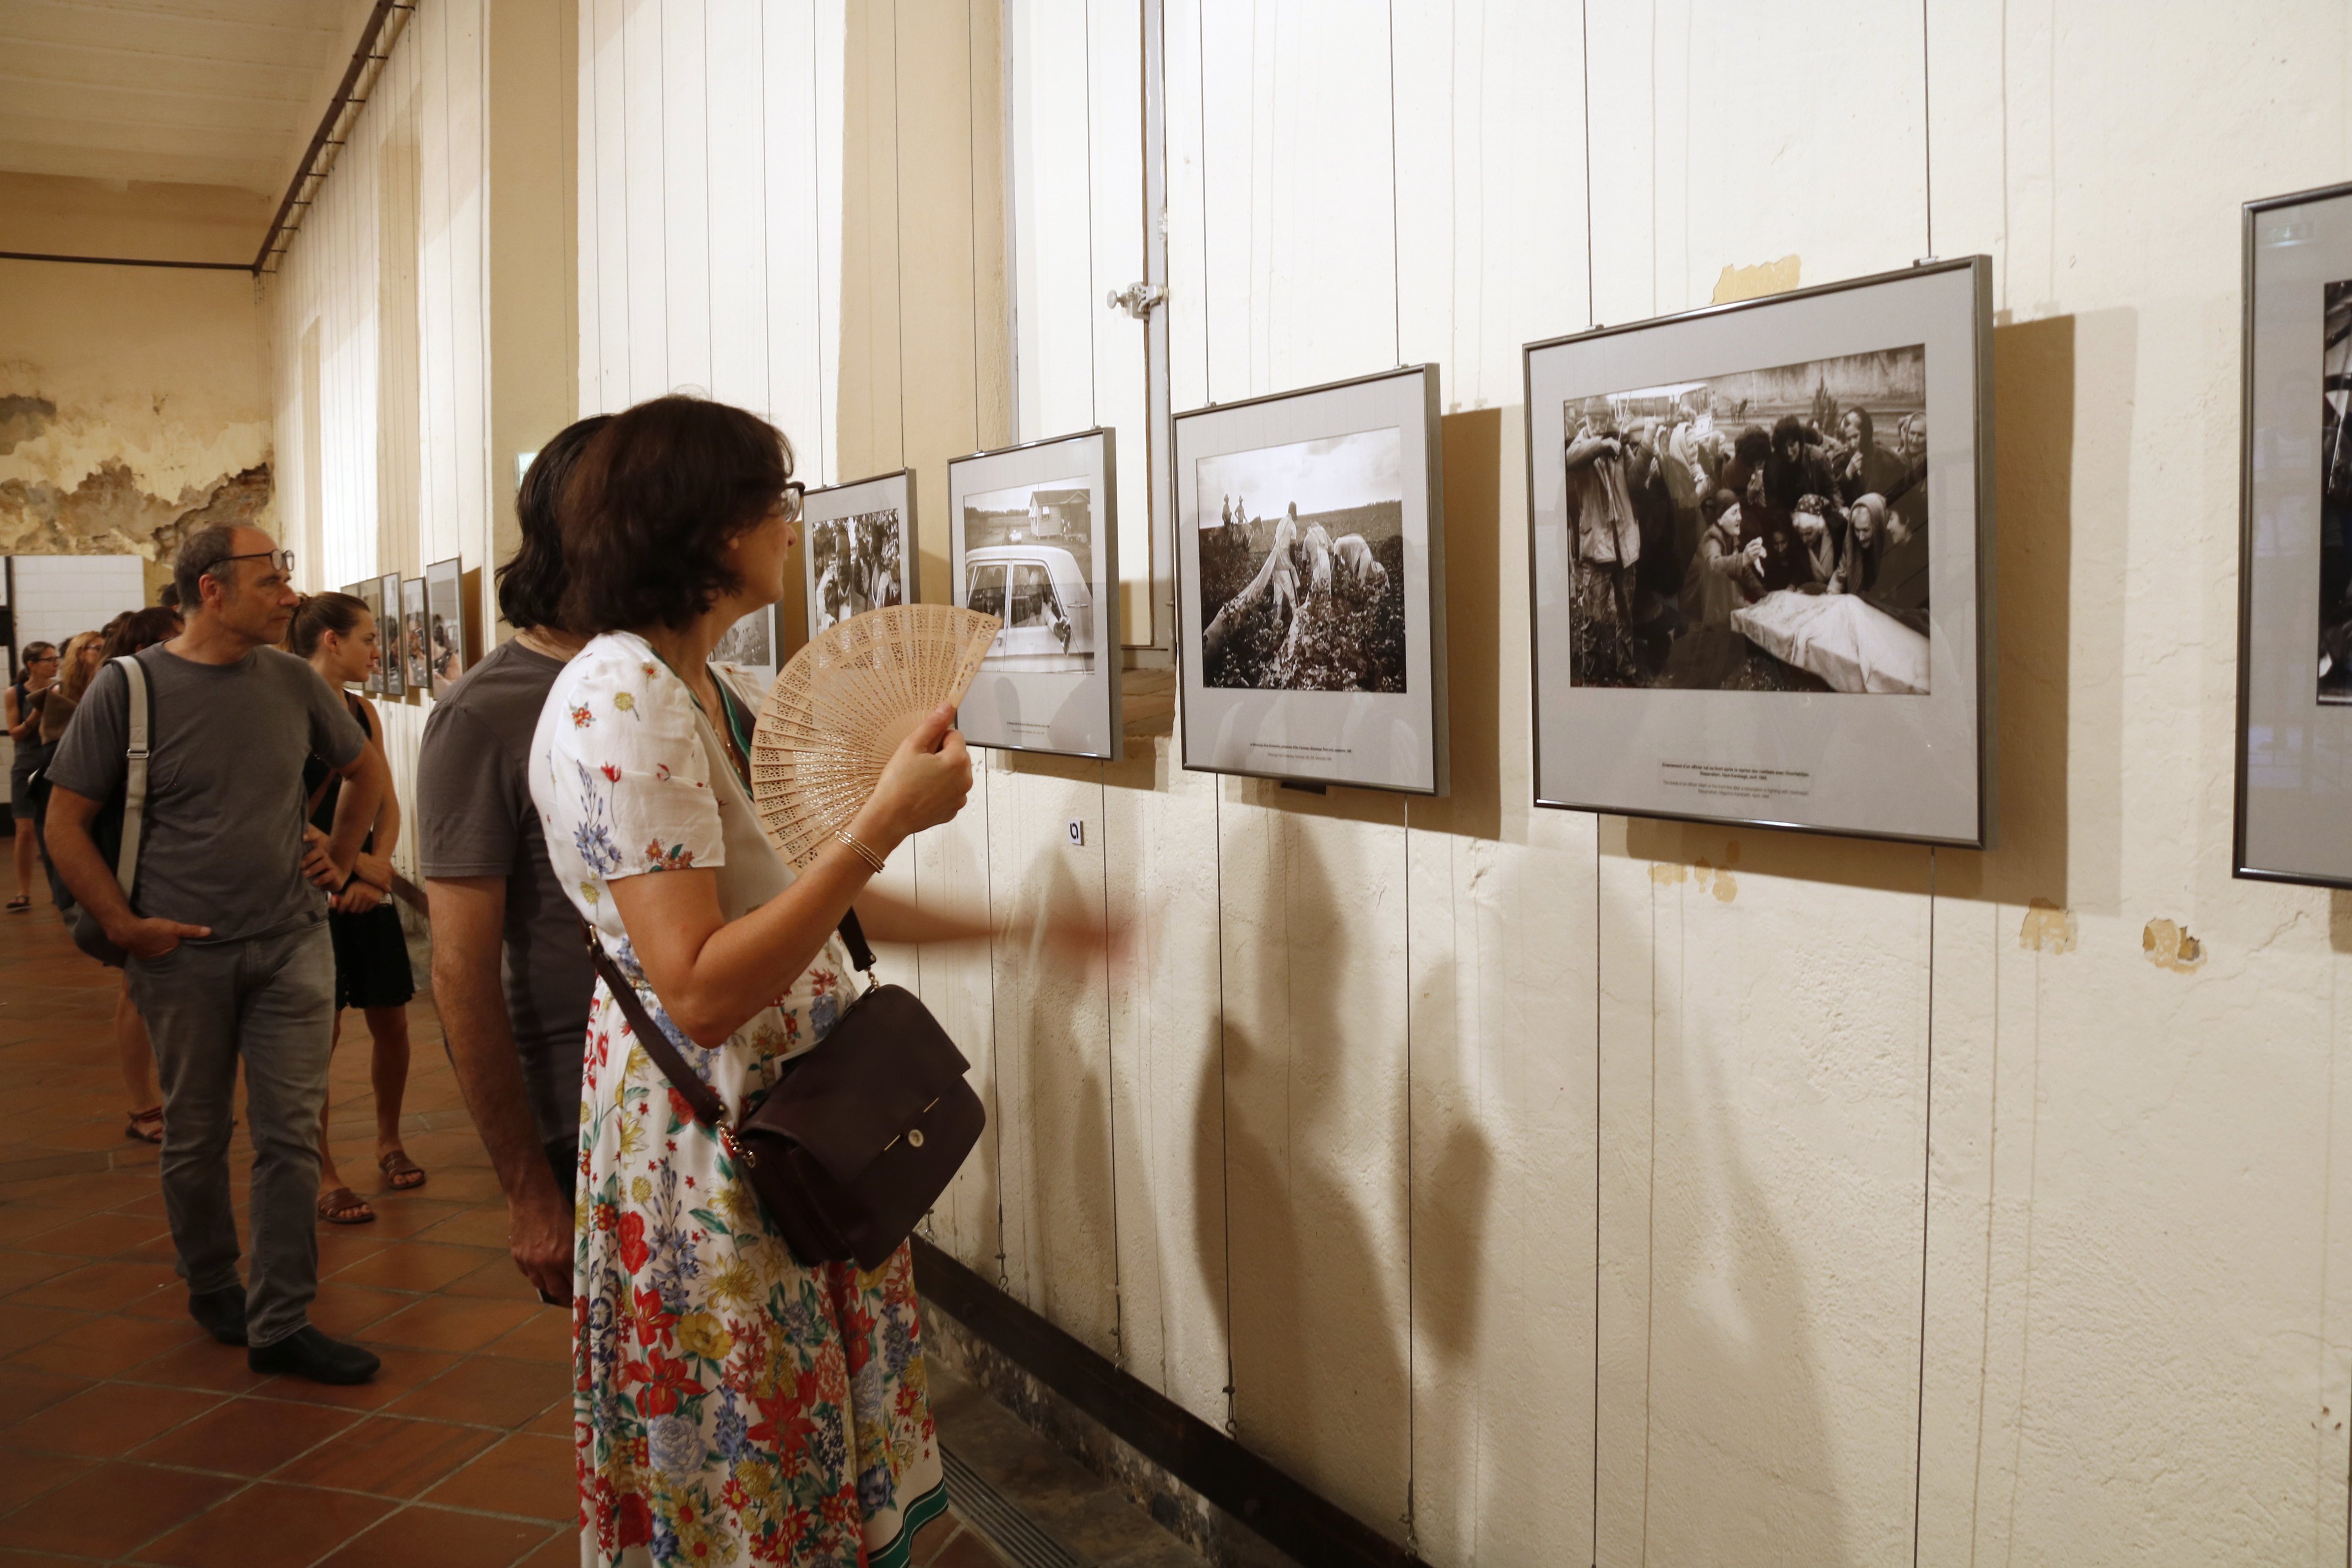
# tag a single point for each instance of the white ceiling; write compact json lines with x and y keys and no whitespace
{"x":208,"y":92}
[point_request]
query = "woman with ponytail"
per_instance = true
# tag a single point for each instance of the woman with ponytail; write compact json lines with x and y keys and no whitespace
{"x":338,"y":635}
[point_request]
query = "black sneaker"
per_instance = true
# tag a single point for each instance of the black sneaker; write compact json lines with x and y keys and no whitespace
{"x":220,"y":1313}
{"x":307,"y":1352}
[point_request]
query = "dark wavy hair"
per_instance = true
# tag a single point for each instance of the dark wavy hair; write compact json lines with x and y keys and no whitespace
{"x":651,"y":505}
{"x":531,"y":586}
{"x":320,"y":614}
{"x":141,"y":629}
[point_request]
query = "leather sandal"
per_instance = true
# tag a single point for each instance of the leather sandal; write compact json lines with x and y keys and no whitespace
{"x":145,"y":1126}
{"x":405,"y":1174}
{"x":341,"y":1205}
{"x":21,"y":904}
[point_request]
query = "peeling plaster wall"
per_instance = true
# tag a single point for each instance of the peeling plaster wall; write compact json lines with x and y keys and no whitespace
{"x":133,"y":407}
{"x":1550,"y":1188}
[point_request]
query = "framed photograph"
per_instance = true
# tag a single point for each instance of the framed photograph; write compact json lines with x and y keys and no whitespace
{"x":1760,"y":565}
{"x":415,"y":667}
{"x":445,"y":653}
{"x":857,"y":548}
{"x":1034,"y":539}
{"x":370,"y":592}
{"x":387,"y":636}
{"x":2294,"y":570}
{"x":752,"y":644}
{"x":1310,"y":604}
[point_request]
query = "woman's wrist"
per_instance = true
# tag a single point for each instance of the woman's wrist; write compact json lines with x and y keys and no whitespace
{"x":872,"y":829}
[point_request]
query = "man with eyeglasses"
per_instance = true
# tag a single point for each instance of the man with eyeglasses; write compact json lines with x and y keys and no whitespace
{"x":227,"y":931}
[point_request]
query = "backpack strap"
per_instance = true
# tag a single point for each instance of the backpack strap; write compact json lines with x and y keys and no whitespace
{"x":139,"y":706}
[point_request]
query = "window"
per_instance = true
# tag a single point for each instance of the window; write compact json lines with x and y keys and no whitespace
{"x":986,"y":593}
{"x":1033,"y":596}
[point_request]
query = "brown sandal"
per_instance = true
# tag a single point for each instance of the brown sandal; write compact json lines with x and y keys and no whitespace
{"x":341,"y":1205}
{"x":145,"y":1126}
{"x":398,"y":1168}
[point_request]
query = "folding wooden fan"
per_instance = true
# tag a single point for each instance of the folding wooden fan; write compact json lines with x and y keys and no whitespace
{"x":841,"y":707}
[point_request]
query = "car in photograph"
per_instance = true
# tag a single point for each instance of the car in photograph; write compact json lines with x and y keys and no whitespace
{"x":1042,"y":597}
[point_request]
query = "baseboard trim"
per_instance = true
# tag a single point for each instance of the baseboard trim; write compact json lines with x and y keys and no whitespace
{"x":1290,"y":1517}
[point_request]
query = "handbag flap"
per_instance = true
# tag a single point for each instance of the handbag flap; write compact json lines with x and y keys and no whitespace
{"x":866,"y":1083}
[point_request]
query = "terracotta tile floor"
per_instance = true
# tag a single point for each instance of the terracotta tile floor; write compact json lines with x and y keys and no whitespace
{"x":126,"y":1435}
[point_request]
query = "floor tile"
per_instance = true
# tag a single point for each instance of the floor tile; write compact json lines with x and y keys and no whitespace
{"x":452,"y":1323}
{"x":247,"y":1437}
{"x":268,"y":1523}
{"x":490,"y":1391}
{"x":106,"y":1287}
{"x":483,"y":1226}
{"x":111,"y":1509}
{"x":21,"y":1325}
{"x":401,"y":1370}
{"x":391,"y":1458}
{"x":444,"y":1538}
{"x":108,"y":1419}
{"x":97,"y":1235}
{"x":417,"y":1265}
{"x":24,"y":1476}
{"x":343,"y":1311}
{"x":103,"y":1347}
{"x":201,"y":1363}
{"x":545,"y":1336}
{"x":562,"y":1550}
{"x":527,"y":1474}
{"x":26,"y":1391}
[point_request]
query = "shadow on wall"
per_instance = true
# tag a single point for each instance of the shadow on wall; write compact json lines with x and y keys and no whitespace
{"x":1737,"y":1467}
{"x":1318,"y":1354}
{"x":1071,"y":1231}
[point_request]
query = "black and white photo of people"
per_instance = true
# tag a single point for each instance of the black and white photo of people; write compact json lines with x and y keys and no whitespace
{"x":1762,"y":531}
{"x":1302,"y":566}
{"x":857,"y":564}
{"x":2336,"y":499}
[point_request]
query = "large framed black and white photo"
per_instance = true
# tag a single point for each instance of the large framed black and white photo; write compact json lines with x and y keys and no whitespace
{"x":1761,"y":560}
{"x":857,"y":548}
{"x":1034,"y":540}
{"x":2294,"y":577}
{"x":1311,"y":586}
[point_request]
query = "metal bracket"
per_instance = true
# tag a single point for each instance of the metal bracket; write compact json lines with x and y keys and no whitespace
{"x":1137,"y":299}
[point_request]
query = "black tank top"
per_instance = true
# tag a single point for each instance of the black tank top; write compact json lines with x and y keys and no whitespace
{"x":315,"y":772}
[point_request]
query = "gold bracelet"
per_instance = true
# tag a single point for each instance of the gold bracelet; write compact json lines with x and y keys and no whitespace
{"x":862,"y":853}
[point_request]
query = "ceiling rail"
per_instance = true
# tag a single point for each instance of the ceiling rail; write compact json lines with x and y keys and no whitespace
{"x":367,"y":61}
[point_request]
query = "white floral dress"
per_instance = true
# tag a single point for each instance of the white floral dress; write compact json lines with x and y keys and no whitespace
{"x":730,"y":1406}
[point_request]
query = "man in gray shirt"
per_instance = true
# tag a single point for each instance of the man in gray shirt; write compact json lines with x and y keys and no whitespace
{"x":510,"y":973}
{"x":227,"y":926}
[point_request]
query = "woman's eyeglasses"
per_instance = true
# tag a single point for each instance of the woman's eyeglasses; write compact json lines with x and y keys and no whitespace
{"x":789,"y":504}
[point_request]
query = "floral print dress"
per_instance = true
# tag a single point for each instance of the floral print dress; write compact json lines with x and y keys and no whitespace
{"x":730,"y":1407}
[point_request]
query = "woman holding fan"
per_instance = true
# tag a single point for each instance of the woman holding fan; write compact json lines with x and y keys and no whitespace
{"x":734,"y":1405}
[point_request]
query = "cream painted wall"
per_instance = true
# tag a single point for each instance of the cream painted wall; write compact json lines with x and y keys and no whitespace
{"x":133,"y":400}
{"x":411,"y":357}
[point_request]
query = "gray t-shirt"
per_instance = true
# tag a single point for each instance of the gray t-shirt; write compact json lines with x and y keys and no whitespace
{"x":221,"y":841}
{"x":475,"y":818}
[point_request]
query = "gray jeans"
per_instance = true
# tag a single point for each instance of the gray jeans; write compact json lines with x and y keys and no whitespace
{"x":271,"y":1000}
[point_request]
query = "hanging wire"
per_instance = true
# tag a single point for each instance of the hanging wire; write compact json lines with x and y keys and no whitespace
{"x":1584,"y":36}
{"x":1927,"y":131}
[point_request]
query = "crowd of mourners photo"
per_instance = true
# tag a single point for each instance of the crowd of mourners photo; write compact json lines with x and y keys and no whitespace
{"x":1683,"y":516}
{"x":733,"y":1403}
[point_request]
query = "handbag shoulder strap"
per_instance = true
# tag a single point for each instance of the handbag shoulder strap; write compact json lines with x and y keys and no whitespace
{"x":138,"y":710}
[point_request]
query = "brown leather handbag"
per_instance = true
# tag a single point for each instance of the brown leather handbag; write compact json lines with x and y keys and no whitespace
{"x":863,"y":1132}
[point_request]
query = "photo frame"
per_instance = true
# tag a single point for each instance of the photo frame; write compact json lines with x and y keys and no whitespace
{"x":1310,"y":606}
{"x":2294,"y":569}
{"x":751,"y":644}
{"x":369,"y":591}
{"x":393,"y":668}
{"x":447,"y":654}
{"x":1759,"y":569}
{"x":858,"y":548}
{"x":416,"y":668}
{"x":1034,"y":539}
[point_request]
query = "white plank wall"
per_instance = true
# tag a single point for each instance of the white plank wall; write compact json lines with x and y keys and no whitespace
{"x":388,"y":270}
{"x":1544,"y":1187}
